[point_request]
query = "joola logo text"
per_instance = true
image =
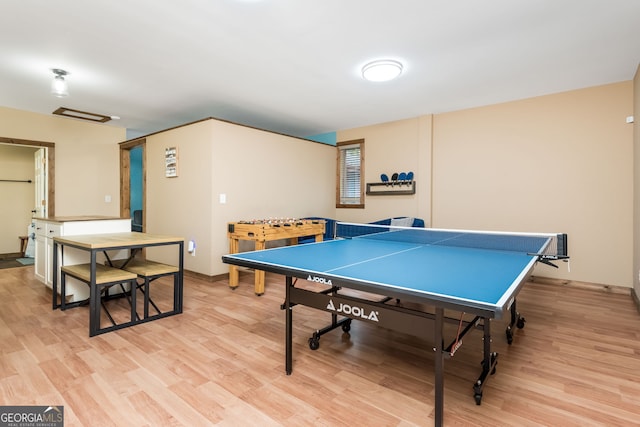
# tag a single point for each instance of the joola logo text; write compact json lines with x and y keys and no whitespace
{"x":319,"y":280}
{"x":354,"y":311}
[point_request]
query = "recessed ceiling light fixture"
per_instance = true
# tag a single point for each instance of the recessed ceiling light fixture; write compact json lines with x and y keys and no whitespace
{"x":83,"y":115}
{"x":59,"y":86}
{"x":381,"y":70}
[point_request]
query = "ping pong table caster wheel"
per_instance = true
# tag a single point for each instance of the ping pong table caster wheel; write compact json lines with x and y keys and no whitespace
{"x":478,"y":398}
{"x":314,"y":343}
{"x":520,"y":323}
{"x":346,"y":326}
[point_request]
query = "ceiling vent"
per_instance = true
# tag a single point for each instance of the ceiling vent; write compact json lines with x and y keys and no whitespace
{"x":82,"y":115}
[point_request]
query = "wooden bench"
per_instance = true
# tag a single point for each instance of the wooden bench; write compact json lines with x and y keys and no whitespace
{"x":150,"y":271}
{"x":105,"y":278}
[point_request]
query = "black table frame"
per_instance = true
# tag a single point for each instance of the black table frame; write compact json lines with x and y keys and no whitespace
{"x":94,"y":294}
{"x":396,"y":317}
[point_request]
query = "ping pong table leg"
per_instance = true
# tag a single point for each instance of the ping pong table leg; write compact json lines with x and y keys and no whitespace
{"x":439,"y":366}
{"x":489,"y":361}
{"x":288,"y":326}
{"x":516,"y":320}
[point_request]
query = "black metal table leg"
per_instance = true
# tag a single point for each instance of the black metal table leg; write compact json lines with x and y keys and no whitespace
{"x":94,"y":298}
{"x":516,"y":320}
{"x":489,"y":362}
{"x":289,"y":327}
{"x":439,"y":366}
{"x":54,"y":285}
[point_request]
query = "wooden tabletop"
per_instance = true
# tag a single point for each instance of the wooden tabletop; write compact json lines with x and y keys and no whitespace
{"x":78,"y":218}
{"x":103,"y":241}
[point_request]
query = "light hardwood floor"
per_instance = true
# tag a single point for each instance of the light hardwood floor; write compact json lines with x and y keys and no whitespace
{"x":221,"y":362}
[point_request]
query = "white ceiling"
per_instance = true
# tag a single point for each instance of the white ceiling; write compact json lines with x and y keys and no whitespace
{"x":293,"y":66}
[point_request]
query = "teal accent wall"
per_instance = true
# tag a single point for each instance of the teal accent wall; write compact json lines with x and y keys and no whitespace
{"x":326,"y":138}
{"x":135,"y":159}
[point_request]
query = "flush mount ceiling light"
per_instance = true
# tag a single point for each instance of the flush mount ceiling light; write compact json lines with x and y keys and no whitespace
{"x":382,"y":70}
{"x":59,"y":86}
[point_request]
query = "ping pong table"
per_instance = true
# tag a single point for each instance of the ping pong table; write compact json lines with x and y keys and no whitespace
{"x":409,"y":277}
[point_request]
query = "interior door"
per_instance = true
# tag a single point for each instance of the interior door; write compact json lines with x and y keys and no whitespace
{"x":41,"y":189}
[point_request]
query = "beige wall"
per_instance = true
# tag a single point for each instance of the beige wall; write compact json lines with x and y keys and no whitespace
{"x":86,"y":168}
{"x":181,"y":206}
{"x":400,"y":146}
{"x":636,"y":181}
{"x":557,"y":163}
{"x":262,"y":174}
{"x":18,"y":198}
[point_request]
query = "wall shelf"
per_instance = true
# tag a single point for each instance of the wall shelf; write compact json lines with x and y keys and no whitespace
{"x":390,"y":189}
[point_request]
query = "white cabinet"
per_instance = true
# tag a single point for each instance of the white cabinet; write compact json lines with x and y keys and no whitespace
{"x":47,"y":229}
{"x":40,"y":264}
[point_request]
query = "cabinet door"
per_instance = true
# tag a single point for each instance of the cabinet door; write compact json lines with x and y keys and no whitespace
{"x":52,"y":230}
{"x":49,"y":262}
{"x":41,"y":256}
{"x":41,"y":228}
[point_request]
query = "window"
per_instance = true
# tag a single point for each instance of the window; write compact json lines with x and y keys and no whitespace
{"x":350,"y":173}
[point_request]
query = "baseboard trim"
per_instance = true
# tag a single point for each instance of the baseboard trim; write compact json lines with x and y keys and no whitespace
{"x":205,"y":277}
{"x":636,"y":299}
{"x":621,"y":290}
{"x":11,"y":255}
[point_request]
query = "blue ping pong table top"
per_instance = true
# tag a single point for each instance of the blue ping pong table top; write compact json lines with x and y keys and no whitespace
{"x":474,"y":277}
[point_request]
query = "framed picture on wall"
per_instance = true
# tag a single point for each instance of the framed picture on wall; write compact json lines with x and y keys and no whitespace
{"x":171,"y":162}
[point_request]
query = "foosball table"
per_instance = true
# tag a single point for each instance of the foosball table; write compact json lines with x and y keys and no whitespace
{"x":263,"y":231}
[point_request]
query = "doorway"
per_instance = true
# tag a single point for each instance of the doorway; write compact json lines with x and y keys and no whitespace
{"x":13,"y":229}
{"x":133,"y":183}
{"x":49,"y":169}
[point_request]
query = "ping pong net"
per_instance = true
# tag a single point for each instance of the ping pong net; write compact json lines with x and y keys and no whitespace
{"x":545,"y":246}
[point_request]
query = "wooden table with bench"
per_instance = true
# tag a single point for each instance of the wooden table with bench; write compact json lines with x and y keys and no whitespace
{"x":129,"y":274}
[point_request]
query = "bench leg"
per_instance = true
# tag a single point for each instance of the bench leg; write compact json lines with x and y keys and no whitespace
{"x":94,"y":309}
{"x":177,"y":295}
{"x":63,"y":292}
{"x":133,"y":287}
{"x":147,"y":296}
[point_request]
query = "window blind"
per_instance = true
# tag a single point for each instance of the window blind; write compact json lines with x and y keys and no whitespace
{"x":350,"y":174}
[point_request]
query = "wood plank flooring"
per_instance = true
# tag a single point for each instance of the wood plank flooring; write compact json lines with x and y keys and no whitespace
{"x":221,"y":362}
